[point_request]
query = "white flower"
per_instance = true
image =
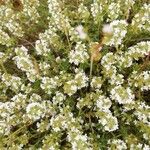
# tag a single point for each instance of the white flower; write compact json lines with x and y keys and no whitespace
{"x":103,"y":103}
{"x":49,"y":84}
{"x":35,"y":98}
{"x":109,"y":122}
{"x":122,"y":95}
{"x":118,"y":144}
{"x":119,"y":32}
{"x":70,"y":87}
{"x":4,"y":128}
{"x":141,"y":19}
{"x":96,"y":82}
{"x":35,"y":110}
{"x":116,"y":79}
{"x":81,"y":32}
{"x":59,"y":98}
{"x":142,"y":112}
{"x":81,"y":79}
{"x":107,"y":29}
{"x":79,"y":55}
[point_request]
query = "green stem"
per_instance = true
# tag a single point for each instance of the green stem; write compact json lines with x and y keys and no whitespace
{"x":3,"y":67}
{"x":91,"y":67}
{"x":66,"y":33}
{"x":3,"y":97}
{"x":16,"y":132}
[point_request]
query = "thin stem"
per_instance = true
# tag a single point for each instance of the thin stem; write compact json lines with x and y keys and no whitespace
{"x":3,"y":97}
{"x":117,"y":48}
{"x":28,"y":42}
{"x":67,"y":38}
{"x":91,"y":67}
{"x":91,"y":124}
{"x":3,"y":67}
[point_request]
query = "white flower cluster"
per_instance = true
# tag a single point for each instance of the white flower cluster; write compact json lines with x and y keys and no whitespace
{"x":141,"y":19}
{"x":78,"y":140}
{"x":4,"y":128}
{"x":108,"y":62}
{"x":11,"y":81}
{"x":143,"y":112}
{"x":60,"y":20}
{"x":25,"y":63}
{"x":104,"y":115}
{"x":35,"y":110}
{"x":116,"y":79}
{"x":108,"y":59}
{"x":6,"y":110}
{"x":70,"y":87}
{"x":117,"y":144}
{"x":42,"y":48}
{"x":80,"y":80}
{"x":59,"y":121}
{"x":74,"y":34}
{"x":44,"y":67}
{"x":43,"y":125}
{"x":19,"y":101}
{"x":141,"y":80}
{"x":42,"y":45}
{"x":10,"y":21}
{"x":59,"y":98}
{"x":65,"y":120}
{"x":30,"y":10}
{"x":77,"y":33}
{"x":88,"y":100}
{"x":119,"y":28}
{"x":139,"y":146}
{"x":109,"y":122}
{"x":114,"y":11}
{"x":103,"y":103}
{"x":122,"y":95}
{"x":140,"y":50}
{"x":119,"y":8}
{"x":79,"y":55}
{"x":5,"y":39}
{"x":51,"y":141}
{"x":109,"y":69}
{"x":50,"y":84}
{"x":83,"y":12}
{"x":35,"y":98}
{"x":97,"y":9}
{"x":11,"y":112}
{"x":124,"y":60}
{"x":14,"y":28}
{"x":39,"y":109}
{"x":96,"y":82}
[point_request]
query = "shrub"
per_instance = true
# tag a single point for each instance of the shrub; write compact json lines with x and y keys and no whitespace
{"x":75,"y":74}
